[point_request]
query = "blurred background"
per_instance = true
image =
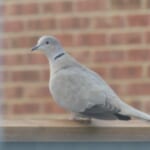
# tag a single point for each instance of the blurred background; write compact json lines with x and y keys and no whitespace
{"x":111,"y":37}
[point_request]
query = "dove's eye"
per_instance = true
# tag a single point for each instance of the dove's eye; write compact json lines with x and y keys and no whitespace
{"x":47,"y":42}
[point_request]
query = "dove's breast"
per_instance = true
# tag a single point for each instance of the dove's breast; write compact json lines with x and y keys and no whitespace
{"x":65,"y":87}
{"x":75,"y":90}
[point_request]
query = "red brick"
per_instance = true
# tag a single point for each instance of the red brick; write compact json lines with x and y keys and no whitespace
{"x":10,"y":60}
{"x":125,"y":38}
{"x":101,"y":71}
{"x":120,"y":89}
{"x":35,"y":58}
{"x":45,"y":75}
{"x":82,"y":56}
{"x":90,"y":39}
{"x":20,"y":8}
{"x":65,"y":39}
{"x":136,"y":104}
{"x":5,"y":109}
{"x":13,"y":92}
{"x":5,"y":75}
{"x":57,"y":7}
{"x":110,"y":22}
{"x":108,"y":56}
{"x":74,"y":23}
{"x":26,"y":76}
{"x":10,"y":9}
{"x":148,"y":71}
{"x":23,"y":42}
{"x":126,"y":72}
{"x":1,"y":79}
{"x":37,"y":92}
{"x":19,"y":42}
{"x":30,"y":8}
{"x":126,"y":4}
{"x":139,"y":89}
{"x":2,"y":8}
{"x":138,"y":20}
{"x":147,"y":106}
{"x":88,"y":5}
{"x":52,"y":107}
{"x":26,"y":108}
{"x":13,"y":26}
{"x":147,"y":37}
{"x":148,"y":4}
{"x":41,"y":24}
{"x":138,"y":55}
{"x":5,"y":43}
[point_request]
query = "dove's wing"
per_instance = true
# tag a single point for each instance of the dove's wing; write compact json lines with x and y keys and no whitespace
{"x":82,"y":90}
{"x":106,"y":112}
{"x":110,"y":108}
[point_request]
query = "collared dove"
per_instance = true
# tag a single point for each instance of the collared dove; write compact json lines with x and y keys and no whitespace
{"x":79,"y":89}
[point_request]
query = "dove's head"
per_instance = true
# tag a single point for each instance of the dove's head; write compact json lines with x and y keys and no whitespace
{"x":49,"y":45}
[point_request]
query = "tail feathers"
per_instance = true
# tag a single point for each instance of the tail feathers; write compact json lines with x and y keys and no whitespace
{"x":123,"y":117}
{"x":141,"y":115}
{"x":130,"y":111}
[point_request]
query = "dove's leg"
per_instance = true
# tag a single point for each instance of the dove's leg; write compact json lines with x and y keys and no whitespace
{"x":81,"y":118}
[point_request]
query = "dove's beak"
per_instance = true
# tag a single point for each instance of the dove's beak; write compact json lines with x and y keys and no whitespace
{"x":36,"y":47}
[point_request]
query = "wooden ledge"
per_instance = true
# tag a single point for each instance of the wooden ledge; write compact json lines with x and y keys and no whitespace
{"x":66,"y":130}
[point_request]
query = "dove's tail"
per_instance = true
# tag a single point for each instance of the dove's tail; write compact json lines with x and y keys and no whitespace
{"x":130,"y":111}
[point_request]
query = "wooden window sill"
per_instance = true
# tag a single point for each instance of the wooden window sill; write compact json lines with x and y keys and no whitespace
{"x":66,"y":130}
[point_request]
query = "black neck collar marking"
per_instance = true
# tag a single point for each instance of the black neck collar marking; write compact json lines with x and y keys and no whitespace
{"x":58,"y":56}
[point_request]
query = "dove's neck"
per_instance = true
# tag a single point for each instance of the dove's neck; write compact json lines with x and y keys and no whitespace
{"x":55,"y":54}
{"x":63,"y":62}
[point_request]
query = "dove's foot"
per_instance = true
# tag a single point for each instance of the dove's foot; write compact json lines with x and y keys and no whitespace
{"x":81,"y":119}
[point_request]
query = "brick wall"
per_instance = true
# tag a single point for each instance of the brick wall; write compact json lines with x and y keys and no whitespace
{"x":110,"y":36}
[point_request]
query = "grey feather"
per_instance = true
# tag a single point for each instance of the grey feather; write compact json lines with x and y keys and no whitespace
{"x":80,"y":90}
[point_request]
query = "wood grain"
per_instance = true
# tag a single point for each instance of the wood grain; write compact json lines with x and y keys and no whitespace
{"x":67,"y":130}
